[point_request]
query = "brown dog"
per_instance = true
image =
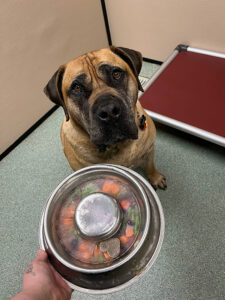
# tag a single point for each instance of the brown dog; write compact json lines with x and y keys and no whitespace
{"x":104,"y":122}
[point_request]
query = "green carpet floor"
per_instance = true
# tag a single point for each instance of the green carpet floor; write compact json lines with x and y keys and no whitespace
{"x":191,"y":264}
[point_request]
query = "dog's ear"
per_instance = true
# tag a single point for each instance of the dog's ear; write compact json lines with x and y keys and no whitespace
{"x":53,"y":89}
{"x":132,"y":58}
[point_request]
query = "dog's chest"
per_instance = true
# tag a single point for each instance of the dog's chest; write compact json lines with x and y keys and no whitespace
{"x":129,"y":153}
{"x":109,"y":152}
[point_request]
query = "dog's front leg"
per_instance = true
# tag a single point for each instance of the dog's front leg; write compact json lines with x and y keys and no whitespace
{"x":157,"y":179}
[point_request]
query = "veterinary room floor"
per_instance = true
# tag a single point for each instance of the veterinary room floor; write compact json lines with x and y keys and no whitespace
{"x":191,"y":262}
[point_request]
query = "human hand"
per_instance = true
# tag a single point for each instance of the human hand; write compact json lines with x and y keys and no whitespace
{"x":41,"y":281}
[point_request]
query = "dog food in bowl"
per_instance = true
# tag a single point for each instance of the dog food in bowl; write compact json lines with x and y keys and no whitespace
{"x":90,"y":250}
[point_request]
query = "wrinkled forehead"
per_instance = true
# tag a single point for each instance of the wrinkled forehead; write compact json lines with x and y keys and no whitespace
{"x":106,"y":56}
{"x":89,"y":63}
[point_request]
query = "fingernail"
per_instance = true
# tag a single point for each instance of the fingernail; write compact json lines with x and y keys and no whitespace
{"x":41,"y":253}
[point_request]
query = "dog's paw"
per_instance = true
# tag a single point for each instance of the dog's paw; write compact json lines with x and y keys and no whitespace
{"x":158,"y":180}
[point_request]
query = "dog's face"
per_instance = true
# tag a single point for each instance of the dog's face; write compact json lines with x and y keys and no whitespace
{"x":99,"y":91}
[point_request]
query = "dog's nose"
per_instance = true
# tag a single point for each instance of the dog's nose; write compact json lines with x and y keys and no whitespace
{"x":109,"y":112}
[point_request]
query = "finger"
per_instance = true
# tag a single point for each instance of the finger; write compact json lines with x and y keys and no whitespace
{"x":41,"y":255}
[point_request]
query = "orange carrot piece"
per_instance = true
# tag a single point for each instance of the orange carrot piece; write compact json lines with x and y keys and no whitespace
{"x":107,"y":187}
{"x":129,"y":231}
{"x":124,"y":239}
{"x":125,"y":204}
{"x":115,"y":188}
{"x":86,"y":255}
{"x":67,"y":221}
{"x":83,"y":247}
{"x":69,"y":212}
{"x":107,"y":255}
{"x":110,"y":188}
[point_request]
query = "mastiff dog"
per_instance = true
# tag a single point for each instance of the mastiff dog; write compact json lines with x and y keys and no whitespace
{"x":104,"y":121}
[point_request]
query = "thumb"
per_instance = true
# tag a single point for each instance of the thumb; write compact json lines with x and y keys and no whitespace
{"x":41,"y":255}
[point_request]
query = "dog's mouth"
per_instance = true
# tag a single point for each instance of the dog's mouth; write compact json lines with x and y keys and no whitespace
{"x":111,"y":122}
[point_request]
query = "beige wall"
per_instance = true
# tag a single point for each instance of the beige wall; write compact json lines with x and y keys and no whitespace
{"x":155,"y":27}
{"x":35,"y":38}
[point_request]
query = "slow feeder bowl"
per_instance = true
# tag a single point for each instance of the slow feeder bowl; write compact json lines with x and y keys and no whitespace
{"x":102,"y":228}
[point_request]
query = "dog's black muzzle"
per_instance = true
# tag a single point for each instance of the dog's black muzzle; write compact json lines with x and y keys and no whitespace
{"x":112,"y":121}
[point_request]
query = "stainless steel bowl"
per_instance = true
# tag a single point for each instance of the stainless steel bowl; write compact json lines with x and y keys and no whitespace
{"x":88,"y":204}
{"x":124,"y":271}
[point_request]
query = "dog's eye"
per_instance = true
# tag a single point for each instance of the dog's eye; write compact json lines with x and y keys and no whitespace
{"x":77,"y":88}
{"x":117,"y":74}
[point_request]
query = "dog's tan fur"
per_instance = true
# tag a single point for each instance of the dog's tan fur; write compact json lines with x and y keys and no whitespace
{"x":75,"y":135}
